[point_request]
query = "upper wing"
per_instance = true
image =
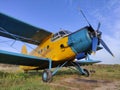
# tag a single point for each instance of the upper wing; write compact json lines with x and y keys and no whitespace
{"x":21,"y":59}
{"x":15,"y":29}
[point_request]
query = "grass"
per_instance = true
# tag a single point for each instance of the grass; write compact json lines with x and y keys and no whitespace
{"x":66,"y":79}
{"x":106,"y":72}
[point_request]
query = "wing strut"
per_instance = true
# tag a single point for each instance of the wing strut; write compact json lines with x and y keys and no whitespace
{"x":16,"y":37}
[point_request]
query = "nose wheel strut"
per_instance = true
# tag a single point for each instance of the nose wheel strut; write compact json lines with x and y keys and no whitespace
{"x":86,"y":73}
{"x":82,"y":71}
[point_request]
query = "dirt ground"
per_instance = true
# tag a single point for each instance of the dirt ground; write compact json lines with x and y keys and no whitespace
{"x":110,"y":86}
{"x":72,"y":84}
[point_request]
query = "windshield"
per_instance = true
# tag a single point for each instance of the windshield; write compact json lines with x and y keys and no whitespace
{"x":60,"y":34}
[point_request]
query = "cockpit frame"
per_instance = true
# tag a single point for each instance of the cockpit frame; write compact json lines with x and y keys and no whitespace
{"x":60,"y":34}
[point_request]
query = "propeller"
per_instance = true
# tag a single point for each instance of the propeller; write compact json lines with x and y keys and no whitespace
{"x":96,"y":37}
{"x":99,"y":24}
{"x":106,"y":47}
{"x":94,"y":44}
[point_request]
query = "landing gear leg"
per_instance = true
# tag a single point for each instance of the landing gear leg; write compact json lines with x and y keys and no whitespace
{"x":82,"y":71}
{"x":47,"y":74}
{"x":86,"y":73}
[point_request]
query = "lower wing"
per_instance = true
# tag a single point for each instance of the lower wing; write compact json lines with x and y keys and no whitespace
{"x":22,"y":59}
{"x":87,"y":62}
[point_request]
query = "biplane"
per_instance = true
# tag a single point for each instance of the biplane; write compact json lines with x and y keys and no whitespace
{"x":62,"y":49}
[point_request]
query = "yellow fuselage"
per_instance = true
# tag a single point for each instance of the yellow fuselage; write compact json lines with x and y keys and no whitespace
{"x":52,"y":50}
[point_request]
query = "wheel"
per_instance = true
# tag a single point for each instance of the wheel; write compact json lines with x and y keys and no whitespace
{"x":47,"y":75}
{"x":86,"y":73}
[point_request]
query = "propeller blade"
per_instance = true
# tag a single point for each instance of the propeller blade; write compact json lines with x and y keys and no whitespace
{"x":106,"y":47}
{"x":94,"y":44}
{"x":99,"y":24}
{"x":85,"y":17}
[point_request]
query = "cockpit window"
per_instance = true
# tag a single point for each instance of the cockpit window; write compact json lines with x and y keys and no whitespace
{"x":55,"y":36}
{"x":60,"y":34}
{"x":67,"y":32}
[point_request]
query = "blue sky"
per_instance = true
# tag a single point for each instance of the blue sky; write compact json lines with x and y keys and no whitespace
{"x":55,"y":14}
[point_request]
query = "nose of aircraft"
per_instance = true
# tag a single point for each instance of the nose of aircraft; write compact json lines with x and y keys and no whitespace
{"x":86,"y":40}
{"x":80,"y":41}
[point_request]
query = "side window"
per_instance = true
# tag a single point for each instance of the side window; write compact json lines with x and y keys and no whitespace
{"x":55,"y":36}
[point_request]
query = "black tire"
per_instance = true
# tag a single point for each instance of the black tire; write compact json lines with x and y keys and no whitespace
{"x":47,"y":75}
{"x":86,"y":74}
